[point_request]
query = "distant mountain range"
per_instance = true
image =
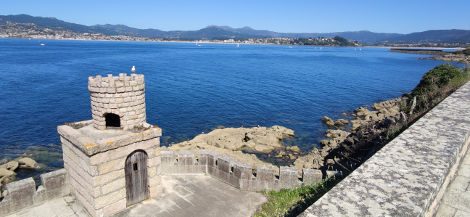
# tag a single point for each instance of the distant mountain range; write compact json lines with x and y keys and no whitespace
{"x":226,"y":32}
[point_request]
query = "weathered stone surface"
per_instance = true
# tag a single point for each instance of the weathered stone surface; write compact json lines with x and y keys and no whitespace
{"x":27,"y":163}
{"x":457,"y":195}
{"x":198,"y":195}
{"x":121,"y":95}
{"x":92,"y":141}
{"x":328,"y":121}
{"x":403,"y":178}
{"x":4,"y":173}
{"x":10,"y":165}
{"x":260,"y":139}
{"x":94,"y":160}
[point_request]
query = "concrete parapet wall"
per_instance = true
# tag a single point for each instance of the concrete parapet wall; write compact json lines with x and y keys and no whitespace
{"x":23,"y":193}
{"x":234,"y":173}
{"x":408,"y":175}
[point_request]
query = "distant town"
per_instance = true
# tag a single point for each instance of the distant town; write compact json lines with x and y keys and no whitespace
{"x":32,"y":31}
{"x":26,"y":26}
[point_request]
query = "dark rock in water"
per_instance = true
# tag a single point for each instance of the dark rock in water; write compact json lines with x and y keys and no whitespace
{"x":341,"y":122}
{"x":328,"y":121}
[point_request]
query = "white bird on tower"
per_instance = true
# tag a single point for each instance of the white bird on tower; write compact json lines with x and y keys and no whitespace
{"x":133,"y":69}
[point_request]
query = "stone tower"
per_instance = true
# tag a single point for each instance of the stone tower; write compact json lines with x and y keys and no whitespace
{"x":117,"y":101}
{"x":111,"y":160}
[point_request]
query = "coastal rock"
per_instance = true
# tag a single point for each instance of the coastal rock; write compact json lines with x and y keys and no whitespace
{"x":341,"y":122}
{"x":294,"y":148}
{"x":356,"y":124}
{"x":337,"y":134}
{"x":328,"y":121}
{"x":389,"y":108}
{"x":313,"y":160}
{"x":231,"y":141}
{"x":259,"y":139}
{"x":11,"y":165}
{"x":27,"y":163}
{"x":6,"y":176}
{"x":336,"y":137}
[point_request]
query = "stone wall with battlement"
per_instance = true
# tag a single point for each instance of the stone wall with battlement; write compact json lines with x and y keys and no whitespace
{"x":234,"y":173}
{"x":123,"y":95}
{"x":23,"y":193}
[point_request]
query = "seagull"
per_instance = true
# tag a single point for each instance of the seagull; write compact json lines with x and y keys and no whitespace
{"x":133,"y":69}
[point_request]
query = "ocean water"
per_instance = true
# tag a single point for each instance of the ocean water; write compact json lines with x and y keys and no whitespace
{"x":192,"y":89}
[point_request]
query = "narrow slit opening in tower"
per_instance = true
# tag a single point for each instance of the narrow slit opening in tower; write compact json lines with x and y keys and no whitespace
{"x":112,"y":120}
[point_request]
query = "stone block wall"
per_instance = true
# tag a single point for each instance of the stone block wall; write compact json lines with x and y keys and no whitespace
{"x":122,"y":95}
{"x":98,"y":181}
{"x":23,"y":193}
{"x":234,"y":173}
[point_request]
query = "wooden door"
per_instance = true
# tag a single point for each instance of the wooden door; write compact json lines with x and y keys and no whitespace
{"x":137,"y":188}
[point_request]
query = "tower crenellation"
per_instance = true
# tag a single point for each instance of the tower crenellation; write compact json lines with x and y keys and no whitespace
{"x":117,"y":101}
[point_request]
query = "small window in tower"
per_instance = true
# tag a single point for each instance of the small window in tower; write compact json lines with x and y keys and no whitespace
{"x":112,"y":120}
{"x":135,"y":167}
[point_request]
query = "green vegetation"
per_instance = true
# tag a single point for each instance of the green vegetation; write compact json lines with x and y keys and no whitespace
{"x":291,"y":202}
{"x":342,"y":41}
{"x":438,"y":84}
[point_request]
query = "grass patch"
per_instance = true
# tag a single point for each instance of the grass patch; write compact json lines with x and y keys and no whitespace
{"x":437,"y":84}
{"x":291,"y":202}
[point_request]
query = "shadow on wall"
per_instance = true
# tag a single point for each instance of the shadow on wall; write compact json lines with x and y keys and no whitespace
{"x":23,"y":193}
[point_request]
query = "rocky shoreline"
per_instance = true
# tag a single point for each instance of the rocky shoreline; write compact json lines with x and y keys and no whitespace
{"x":369,"y":129}
{"x":461,"y":56}
{"x":260,"y":146}
{"x":349,"y":134}
{"x":348,"y":141}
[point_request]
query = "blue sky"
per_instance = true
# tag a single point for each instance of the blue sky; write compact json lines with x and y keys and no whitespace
{"x":401,"y":16}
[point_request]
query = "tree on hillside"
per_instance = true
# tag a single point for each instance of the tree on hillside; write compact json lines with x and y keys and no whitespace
{"x":342,"y":41}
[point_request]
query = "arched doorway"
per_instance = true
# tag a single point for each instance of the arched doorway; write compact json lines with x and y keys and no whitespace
{"x":137,"y":188}
{"x":112,"y":120}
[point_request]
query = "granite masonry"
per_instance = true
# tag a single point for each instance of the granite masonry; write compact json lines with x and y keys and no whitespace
{"x":235,"y":173}
{"x":111,"y":161}
{"x":23,"y":193}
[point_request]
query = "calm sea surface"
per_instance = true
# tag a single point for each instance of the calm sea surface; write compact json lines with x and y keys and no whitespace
{"x":193,"y":89}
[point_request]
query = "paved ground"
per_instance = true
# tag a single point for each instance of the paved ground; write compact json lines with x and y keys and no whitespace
{"x":198,"y":195}
{"x":456,"y":200}
{"x":60,"y":207}
{"x":184,"y":195}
